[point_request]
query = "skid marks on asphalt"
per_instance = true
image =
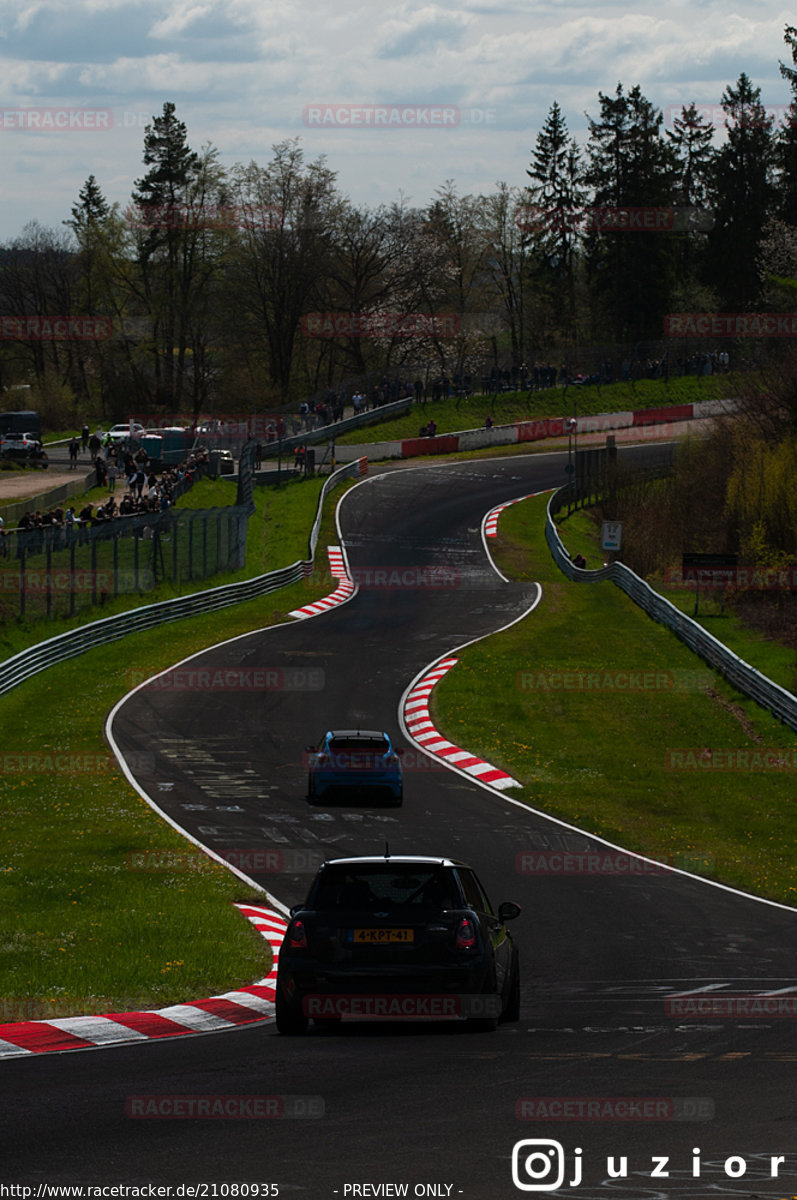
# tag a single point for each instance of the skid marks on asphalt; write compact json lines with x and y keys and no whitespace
{"x":213,"y":766}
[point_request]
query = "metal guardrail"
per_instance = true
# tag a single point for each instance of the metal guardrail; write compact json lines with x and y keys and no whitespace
{"x":314,"y":434}
{"x":770,"y":695}
{"x":68,"y":645}
{"x":327,"y":433}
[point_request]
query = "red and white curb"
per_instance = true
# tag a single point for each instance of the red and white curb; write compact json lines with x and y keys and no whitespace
{"x":227,"y":1011}
{"x":344,"y":591}
{"x":493,"y":516}
{"x":420,"y":728}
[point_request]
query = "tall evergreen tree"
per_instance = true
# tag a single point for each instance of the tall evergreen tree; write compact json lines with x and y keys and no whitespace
{"x":692,"y":140}
{"x":553,"y":216}
{"x":92,"y":223}
{"x":163,"y":191}
{"x":174,"y":211}
{"x":743,"y":197}
{"x":786,"y":140}
{"x":631,"y":167}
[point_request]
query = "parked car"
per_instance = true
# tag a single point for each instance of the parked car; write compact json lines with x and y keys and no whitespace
{"x":397,"y":936}
{"x":23,"y":447}
{"x":119,"y":433}
{"x":19,"y":441}
{"x":354,"y":763}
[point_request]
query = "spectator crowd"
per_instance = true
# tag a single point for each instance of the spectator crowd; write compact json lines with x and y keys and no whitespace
{"x":146,"y":492}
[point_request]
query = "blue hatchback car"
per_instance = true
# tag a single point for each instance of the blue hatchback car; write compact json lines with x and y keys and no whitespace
{"x":354,"y":763}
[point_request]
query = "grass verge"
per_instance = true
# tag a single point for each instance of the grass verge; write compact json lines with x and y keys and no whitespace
{"x":550,"y":701}
{"x":454,"y":414}
{"x":581,"y":533}
{"x":81,"y":931}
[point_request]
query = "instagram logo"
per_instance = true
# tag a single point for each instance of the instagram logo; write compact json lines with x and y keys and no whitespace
{"x":538,"y":1165}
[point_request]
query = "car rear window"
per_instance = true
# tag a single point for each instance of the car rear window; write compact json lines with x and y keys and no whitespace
{"x":378,"y":745}
{"x":387,"y":888}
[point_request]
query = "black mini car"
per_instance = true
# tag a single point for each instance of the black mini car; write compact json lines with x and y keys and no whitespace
{"x":397,"y":937}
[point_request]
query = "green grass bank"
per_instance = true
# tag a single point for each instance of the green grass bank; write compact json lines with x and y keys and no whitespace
{"x":550,"y":701}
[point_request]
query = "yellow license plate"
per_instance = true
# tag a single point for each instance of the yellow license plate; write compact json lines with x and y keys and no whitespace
{"x":379,"y":937}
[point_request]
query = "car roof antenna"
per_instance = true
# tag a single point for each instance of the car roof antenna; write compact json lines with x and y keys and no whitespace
{"x":387,"y":850}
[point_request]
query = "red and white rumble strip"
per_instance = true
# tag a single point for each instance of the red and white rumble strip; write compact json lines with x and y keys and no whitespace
{"x":423,"y":733}
{"x":492,"y":518}
{"x":344,"y":591}
{"x":241,"y":1007}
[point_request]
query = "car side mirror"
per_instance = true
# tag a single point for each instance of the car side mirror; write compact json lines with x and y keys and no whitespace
{"x":508,"y":911}
{"x":295,"y":909}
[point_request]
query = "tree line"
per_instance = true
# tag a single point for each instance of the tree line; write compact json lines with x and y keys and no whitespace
{"x":249,"y":287}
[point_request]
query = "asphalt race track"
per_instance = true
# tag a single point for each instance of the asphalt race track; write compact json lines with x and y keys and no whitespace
{"x":696,"y":1106}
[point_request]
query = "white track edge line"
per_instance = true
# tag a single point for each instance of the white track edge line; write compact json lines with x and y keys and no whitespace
{"x":724,"y":887}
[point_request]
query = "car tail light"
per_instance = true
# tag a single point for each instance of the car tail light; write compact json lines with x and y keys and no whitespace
{"x":466,"y":935}
{"x":297,"y":937}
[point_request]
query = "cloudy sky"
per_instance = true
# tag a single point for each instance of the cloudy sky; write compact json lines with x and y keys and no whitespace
{"x":399,"y":97}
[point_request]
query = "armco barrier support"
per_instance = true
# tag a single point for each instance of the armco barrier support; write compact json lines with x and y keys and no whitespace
{"x":68,"y":645}
{"x":747,"y":679}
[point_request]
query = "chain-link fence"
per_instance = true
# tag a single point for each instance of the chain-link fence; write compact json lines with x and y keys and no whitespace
{"x":60,"y":569}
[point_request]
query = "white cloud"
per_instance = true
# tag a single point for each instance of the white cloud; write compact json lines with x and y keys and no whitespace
{"x":178,"y":21}
{"x":422,"y":31}
{"x":241,"y":72}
